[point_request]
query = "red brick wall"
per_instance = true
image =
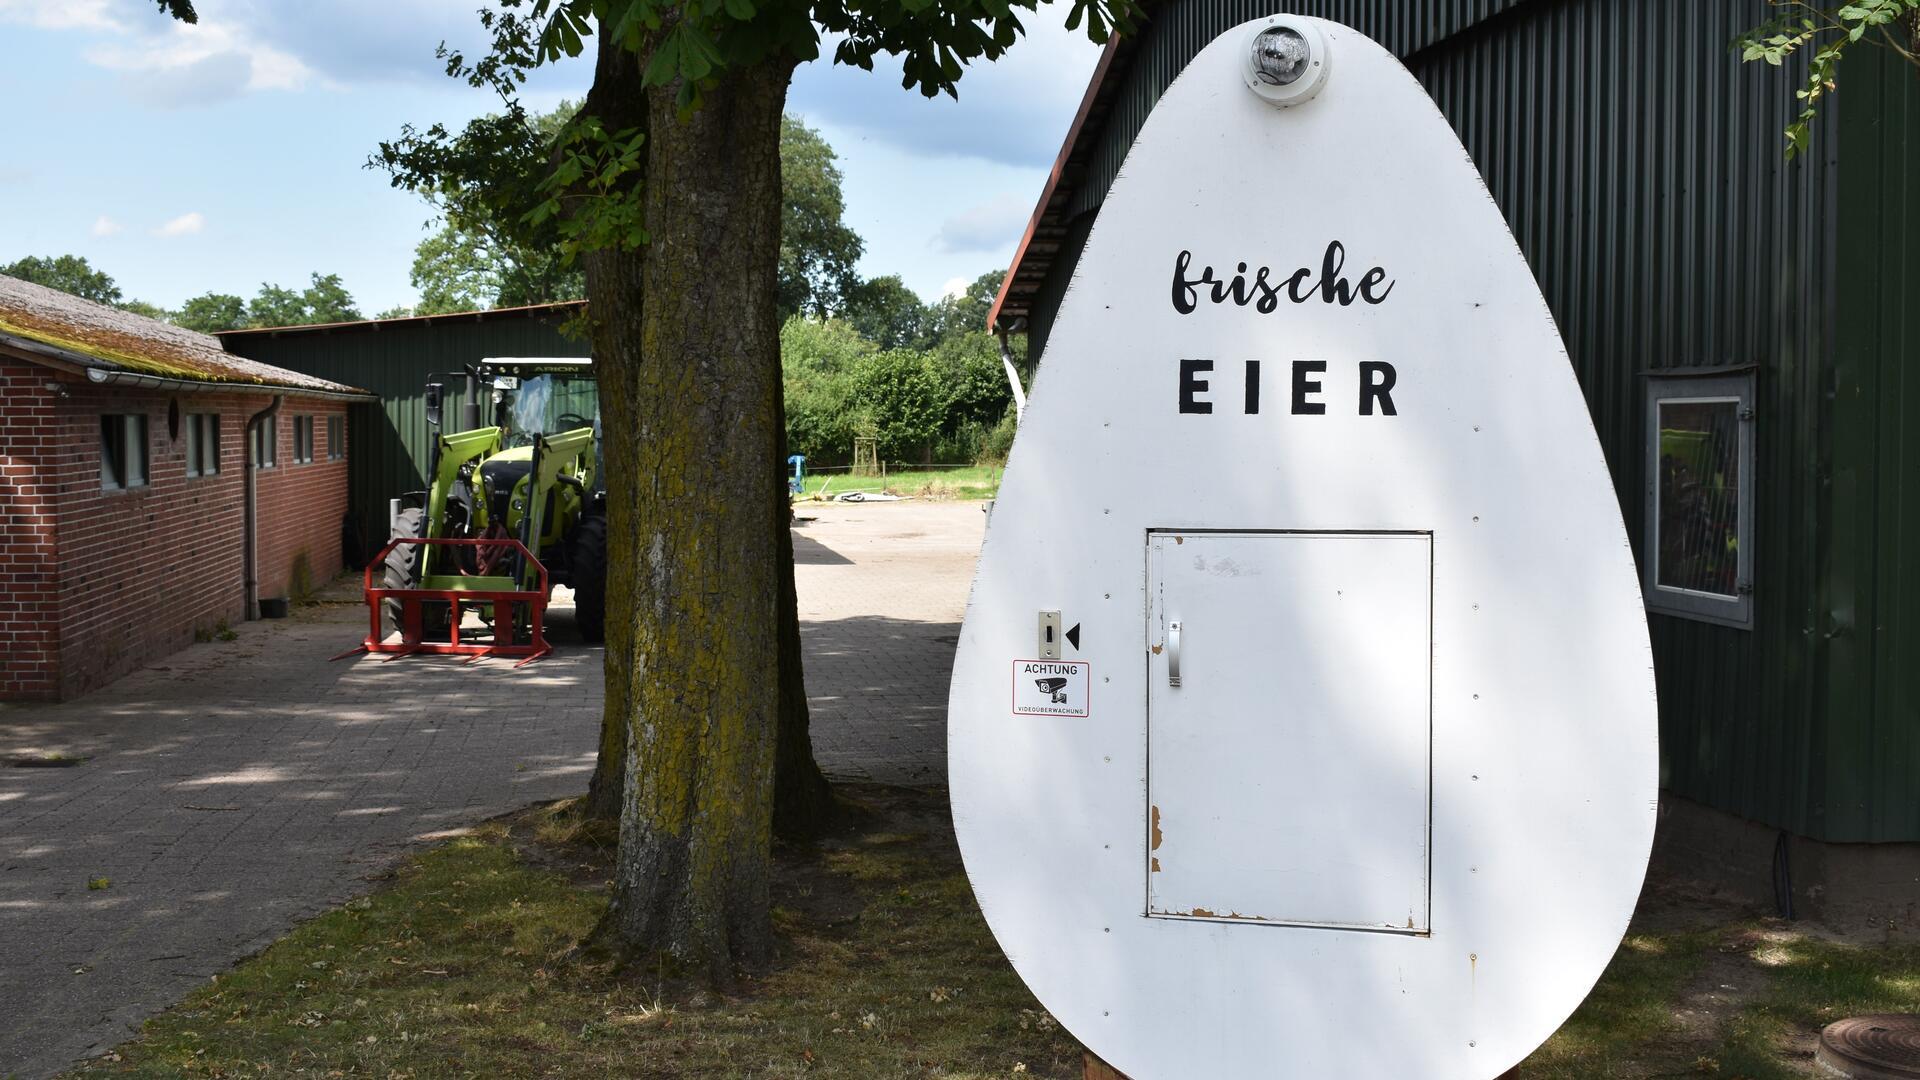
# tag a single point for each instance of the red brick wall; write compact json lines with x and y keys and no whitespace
{"x":139,"y":571}
{"x":29,"y":601}
{"x":301,"y":505}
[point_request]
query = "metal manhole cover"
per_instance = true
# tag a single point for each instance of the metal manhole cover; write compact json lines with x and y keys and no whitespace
{"x":1871,"y":1047}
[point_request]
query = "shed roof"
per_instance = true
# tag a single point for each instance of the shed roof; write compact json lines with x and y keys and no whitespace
{"x":1048,"y":225}
{"x":567,"y":308}
{"x":62,"y":330}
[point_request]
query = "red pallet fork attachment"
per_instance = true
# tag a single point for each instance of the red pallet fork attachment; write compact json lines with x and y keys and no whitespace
{"x":410,"y":616}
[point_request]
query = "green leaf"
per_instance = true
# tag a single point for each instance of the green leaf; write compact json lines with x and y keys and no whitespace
{"x":664,"y":64}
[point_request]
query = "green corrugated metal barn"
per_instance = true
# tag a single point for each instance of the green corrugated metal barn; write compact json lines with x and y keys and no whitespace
{"x":395,"y":358}
{"x":1743,"y":327}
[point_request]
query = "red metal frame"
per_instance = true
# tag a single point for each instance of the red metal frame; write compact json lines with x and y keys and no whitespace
{"x":410,"y":616}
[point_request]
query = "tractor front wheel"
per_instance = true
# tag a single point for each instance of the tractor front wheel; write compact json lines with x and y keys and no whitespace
{"x":587,"y":566}
{"x":403,"y":572}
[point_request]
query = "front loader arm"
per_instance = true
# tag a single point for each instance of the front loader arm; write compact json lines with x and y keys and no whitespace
{"x":450,"y":454}
{"x":554,"y":456}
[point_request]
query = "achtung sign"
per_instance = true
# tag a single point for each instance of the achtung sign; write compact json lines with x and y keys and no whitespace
{"x":1362,"y":736}
{"x":1052,"y":688}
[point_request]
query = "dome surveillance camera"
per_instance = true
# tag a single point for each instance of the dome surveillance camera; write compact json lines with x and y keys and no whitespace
{"x":1286,"y":60}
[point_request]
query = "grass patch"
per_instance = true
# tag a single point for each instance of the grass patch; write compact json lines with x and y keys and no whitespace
{"x":462,"y":966}
{"x":1629,"y":1015}
{"x":973,"y":482}
{"x":1812,"y":983}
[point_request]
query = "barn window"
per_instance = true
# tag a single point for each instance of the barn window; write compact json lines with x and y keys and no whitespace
{"x":302,"y":440}
{"x":203,"y":444}
{"x":123,"y":451}
{"x":1698,"y":561}
{"x":336,"y":438}
{"x":266,"y":442}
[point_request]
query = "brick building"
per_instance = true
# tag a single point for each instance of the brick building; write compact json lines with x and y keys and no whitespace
{"x":134,"y":455}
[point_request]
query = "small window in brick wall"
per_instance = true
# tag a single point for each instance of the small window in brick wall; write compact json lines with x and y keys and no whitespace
{"x":203,"y":444}
{"x":123,"y":451}
{"x":336,"y":438}
{"x":302,"y":440}
{"x":266,"y":441}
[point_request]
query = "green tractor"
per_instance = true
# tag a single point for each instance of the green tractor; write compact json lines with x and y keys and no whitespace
{"x":528,"y":476}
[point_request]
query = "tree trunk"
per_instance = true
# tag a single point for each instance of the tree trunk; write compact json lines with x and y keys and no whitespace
{"x":615,"y":288}
{"x":802,"y":801}
{"x":702,"y":671}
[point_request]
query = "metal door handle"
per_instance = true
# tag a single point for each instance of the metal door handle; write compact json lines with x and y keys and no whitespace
{"x":1173,"y":653}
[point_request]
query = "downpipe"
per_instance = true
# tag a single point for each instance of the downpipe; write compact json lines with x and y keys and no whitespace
{"x":250,"y":514}
{"x":1013,"y":375}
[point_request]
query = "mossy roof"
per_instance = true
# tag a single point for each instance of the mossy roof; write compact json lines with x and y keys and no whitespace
{"x":96,"y":335}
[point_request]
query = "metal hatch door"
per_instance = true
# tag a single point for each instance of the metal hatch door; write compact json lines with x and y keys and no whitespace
{"x":1289,"y":727}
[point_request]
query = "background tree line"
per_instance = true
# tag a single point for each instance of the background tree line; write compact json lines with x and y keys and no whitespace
{"x":324,"y":300}
{"x":859,"y":357}
{"x":924,"y":380}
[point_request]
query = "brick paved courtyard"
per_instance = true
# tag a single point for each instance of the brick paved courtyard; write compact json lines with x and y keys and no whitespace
{"x":237,"y":787}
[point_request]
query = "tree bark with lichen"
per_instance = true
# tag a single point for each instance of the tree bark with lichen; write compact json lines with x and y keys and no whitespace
{"x":803,"y":800}
{"x":693,"y":403}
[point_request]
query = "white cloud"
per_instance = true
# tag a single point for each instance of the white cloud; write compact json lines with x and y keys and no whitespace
{"x":991,"y":226}
{"x":954,"y":287}
{"x":105,"y":226}
{"x":1014,"y":110}
{"x":241,"y":46}
{"x":186,"y":223}
{"x":174,"y":63}
{"x":60,"y":14}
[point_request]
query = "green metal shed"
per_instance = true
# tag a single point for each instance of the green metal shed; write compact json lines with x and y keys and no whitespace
{"x":1641,"y":166}
{"x":395,"y":358}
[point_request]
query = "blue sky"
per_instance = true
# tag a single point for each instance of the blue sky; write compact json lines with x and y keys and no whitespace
{"x":187,"y":159}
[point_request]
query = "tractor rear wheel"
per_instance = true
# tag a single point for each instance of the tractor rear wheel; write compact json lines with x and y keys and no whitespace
{"x":403,"y":572}
{"x":587,"y":566}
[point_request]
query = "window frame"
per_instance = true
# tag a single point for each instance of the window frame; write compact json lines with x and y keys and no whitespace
{"x":128,"y":441}
{"x":1718,"y":387}
{"x":303,"y":439}
{"x":263,"y":449}
{"x":336,"y":437}
{"x":201,"y":425}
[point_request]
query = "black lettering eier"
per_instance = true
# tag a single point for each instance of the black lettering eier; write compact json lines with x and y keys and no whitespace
{"x":1303,"y":385}
{"x":1192,"y":385}
{"x":1376,"y":385}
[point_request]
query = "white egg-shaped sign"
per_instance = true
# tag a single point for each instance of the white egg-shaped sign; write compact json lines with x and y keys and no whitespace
{"x":1303,"y":720}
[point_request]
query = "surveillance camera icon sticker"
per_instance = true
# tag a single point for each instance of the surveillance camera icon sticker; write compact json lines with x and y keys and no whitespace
{"x":1054,"y":688}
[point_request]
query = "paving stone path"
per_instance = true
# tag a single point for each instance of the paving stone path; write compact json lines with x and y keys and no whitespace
{"x":237,"y":787}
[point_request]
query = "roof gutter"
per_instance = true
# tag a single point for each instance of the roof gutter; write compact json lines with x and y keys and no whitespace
{"x":100,"y":376}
